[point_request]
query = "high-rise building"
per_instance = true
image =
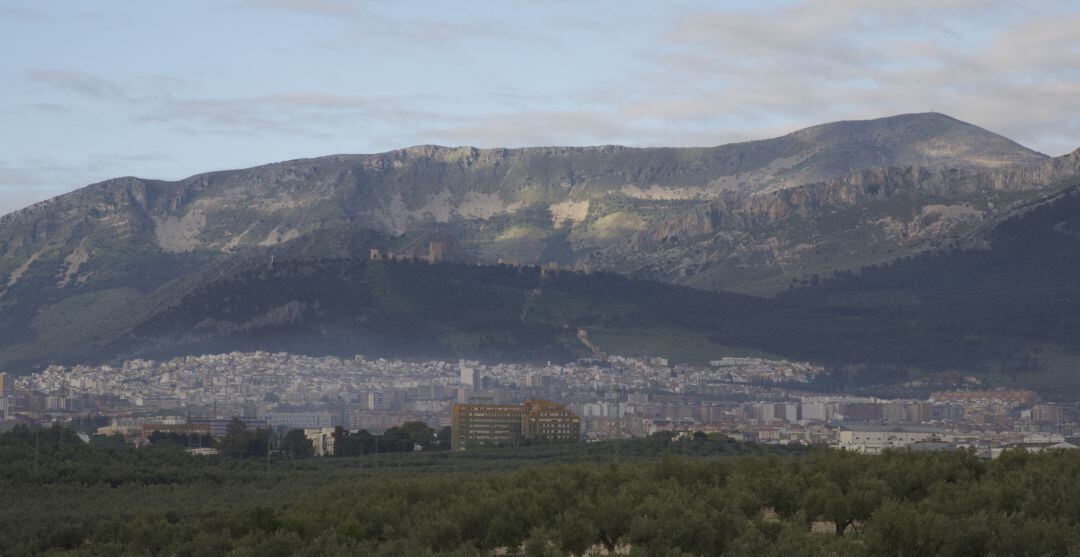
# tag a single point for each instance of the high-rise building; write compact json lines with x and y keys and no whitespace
{"x":895,"y":412}
{"x":1047,"y":414}
{"x":494,"y":425}
{"x":486,"y":425}
{"x":919,"y":412}
{"x":5,"y":387}
{"x":550,"y":422}
{"x":436,"y":251}
{"x":470,"y":376}
{"x":948,"y":412}
{"x":785,"y":412}
{"x":861,"y":411}
{"x":816,"y":411}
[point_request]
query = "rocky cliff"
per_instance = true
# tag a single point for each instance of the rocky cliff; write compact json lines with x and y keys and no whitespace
{"x":748,"y":216}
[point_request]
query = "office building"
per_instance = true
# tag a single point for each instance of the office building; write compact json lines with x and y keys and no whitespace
{"x":549,"y":422}
{"x":496,"y":425}
{"x":861,"y":411}
{"x":218,"y":427}
{"x":1047,"y":414}
{"x":874,"y":439}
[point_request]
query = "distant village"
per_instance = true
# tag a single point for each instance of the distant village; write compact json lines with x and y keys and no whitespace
{"x":753,"y":399}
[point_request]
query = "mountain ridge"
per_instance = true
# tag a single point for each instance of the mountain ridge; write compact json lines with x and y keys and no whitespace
{"x":690,"y":216}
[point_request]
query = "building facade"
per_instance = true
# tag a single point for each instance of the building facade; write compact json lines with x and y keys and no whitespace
{"x":500,"y":425}
{"x":549,"y":422}
{"x":874,"y":439}
{"x":322,"y":439}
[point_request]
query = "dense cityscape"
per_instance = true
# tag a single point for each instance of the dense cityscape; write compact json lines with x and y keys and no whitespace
{"x":752,"y":399}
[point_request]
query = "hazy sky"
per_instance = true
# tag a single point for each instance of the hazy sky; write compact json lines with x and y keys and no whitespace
{"x":93,"y":90}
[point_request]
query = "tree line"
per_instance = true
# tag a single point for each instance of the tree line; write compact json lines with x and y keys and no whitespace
{"x":705,"y":495}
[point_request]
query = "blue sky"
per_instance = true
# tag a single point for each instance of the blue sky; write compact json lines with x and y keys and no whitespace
{"x":93,"y":90}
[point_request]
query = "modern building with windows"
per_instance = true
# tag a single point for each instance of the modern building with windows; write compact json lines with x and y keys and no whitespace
{"x":549,"y":422}
{"x":501,"y":425}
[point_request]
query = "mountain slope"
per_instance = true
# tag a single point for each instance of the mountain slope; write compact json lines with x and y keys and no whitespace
{"x":760,"y":243}
{"x":404,"y":309}
{"x":1006,"y":307}
{"x":72,"y":260}
{"x":1010,"y":308}
{"x":394,"y":192}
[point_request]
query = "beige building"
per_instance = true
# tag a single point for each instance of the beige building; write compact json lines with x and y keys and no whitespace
{"x":495,"y":425}
{"x":322,"y":439}
{"x":1048,"y":414}
{"x":549,"y":422}
{"x":873,"y":439}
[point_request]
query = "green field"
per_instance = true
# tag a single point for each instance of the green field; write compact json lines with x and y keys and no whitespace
{"x":659,"y":496}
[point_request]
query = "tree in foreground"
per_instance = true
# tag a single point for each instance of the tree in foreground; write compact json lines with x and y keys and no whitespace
{"x":297,"y":445}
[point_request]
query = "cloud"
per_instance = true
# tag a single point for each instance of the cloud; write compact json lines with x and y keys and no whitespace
{"x":384,"y":26}
{"x":49,"y":107}
{"x":320,"y":7}
{"x":80,"y":83}
{"x":539,"y":127}
{"x":160,"y":99}
{"x":1008,"y":68}
{"x":23,"y":13}
{"x":311,"y":113}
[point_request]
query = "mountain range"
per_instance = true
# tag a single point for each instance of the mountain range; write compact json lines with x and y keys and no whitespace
{"x":91,"y":274}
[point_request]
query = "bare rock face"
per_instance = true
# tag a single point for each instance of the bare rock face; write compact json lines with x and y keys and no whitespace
{"x":747,"y":216}
{"x":760,"y":242}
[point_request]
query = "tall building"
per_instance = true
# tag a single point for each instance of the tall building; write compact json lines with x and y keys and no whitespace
{"x":816,"y":411}
{"x":920,"y":412}
{"x":470,"y":376}
{"x":1047,"y":414}
{"x":948,"y":412}
{"x":493,"y":425}
{"x":436,"y":251}
{"x":550,"y":422}
{"x":894,"y":412}
{"x":861,"y":411}
{"x":5,"y":386}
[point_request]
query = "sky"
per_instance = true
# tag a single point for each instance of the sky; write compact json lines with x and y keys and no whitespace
{"x":95,"y":90}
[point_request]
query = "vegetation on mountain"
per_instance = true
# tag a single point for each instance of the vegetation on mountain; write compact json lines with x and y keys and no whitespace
{"x":1013,"y":305}
{"x":1005,"y":309}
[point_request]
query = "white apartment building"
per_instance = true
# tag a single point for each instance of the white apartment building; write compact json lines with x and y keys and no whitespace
{"x":873,"y":439}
